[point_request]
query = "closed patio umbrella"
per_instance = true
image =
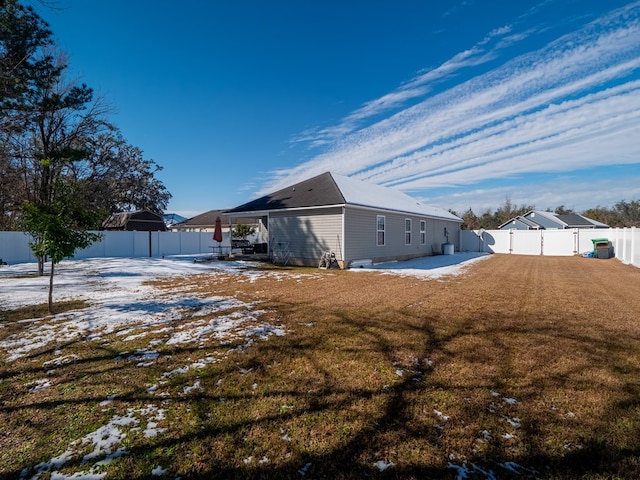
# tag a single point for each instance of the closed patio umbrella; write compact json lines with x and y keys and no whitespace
{"x":217,"y":232}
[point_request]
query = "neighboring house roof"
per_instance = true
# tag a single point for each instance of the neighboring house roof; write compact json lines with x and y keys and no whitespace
{"x":519,"y":220}
{"x":330,"y":189}
{"x":537,"y":219}
{"x":170,"y":219}
{"x":141,"y":220}
{"x":208,"y":220}
{"x":574,"y":220}
{"x":544,"y":219}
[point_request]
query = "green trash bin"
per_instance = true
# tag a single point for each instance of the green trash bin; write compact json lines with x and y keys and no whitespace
{"x":602,"y":248}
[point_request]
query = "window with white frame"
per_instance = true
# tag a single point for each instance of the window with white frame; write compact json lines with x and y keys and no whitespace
{"x":423,"y":232}
{"x":380,"y":229}
{"x":407,"y":231}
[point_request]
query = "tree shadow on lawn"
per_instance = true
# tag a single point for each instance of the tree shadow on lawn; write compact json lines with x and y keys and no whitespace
{"x":404,"y":433}
{"x":375,"y":386}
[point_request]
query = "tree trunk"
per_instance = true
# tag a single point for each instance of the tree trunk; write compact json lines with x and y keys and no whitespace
{"x":51,"y":289}
{"x":41,"y":261}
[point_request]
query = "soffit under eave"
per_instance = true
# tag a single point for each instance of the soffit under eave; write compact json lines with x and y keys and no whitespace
{"x":256,"y":213}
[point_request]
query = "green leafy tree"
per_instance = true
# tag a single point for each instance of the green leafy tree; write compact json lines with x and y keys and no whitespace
{"x":561,"y":210}
{"x":24,"y":63}
{"x":470,"y":220}
{"x":491,"y":220}
{"x":54,"y":130}
{"x":629,"y":212}
{"x":58,"y":229}
{"x":243,"y":231}
{"x":24,"y":60}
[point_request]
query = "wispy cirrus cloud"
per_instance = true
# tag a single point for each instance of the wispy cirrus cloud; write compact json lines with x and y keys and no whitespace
{"x":568,"y":190}
{"x":419,"y":86}
{"x":571,"y":104}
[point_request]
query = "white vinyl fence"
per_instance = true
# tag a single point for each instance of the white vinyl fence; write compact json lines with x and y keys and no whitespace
{"x":14,"y":246}
{"x":625,"y":241}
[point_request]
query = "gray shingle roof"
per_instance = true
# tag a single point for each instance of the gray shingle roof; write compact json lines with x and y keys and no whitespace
{"x":314,"y":192}
{"x":331,"y":189}
{"x":572,"y":219}
{"x":202,"y":220}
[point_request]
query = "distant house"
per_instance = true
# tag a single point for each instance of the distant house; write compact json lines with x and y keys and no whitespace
{"x":205,"y":222}
{"x":171,"y":219}
{"x":538,"y":220}
{"x":141,"y":220}
{"x":520,"y":223}
{"x":354,"y":220}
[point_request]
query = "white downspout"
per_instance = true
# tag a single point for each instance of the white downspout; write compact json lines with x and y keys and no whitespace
{"x":342,"y":246}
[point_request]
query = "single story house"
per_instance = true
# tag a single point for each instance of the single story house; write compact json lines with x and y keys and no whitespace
{"x":538,"y":220}
{"x":141,"y":221}
{"x":354,"y":220}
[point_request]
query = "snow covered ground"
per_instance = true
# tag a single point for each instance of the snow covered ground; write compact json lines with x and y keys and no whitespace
{"x":428,"y":267}
{"x":122,"y":303}
{"x":112,"y":281}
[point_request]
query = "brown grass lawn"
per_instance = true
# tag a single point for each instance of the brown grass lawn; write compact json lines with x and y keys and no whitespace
{"x":523,"y":367}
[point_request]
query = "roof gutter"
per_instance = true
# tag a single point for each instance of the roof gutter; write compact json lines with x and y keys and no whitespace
{"x":267,"y":212}
{"x":405,"y":212}
{"x":342,"y":205}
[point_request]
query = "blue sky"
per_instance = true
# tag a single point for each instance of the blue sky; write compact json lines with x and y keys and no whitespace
{"x":460,"y":104}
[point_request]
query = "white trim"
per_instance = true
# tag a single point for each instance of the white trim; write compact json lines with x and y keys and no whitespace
{"x":343,"y":205}
{"x":413,"y":214}
{"x":384,"y":231}
{"x":410,"y":232}
{"x":343,"y":237}
{"x":273,"y":210}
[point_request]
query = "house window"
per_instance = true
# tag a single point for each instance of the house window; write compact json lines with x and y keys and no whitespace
{"x":423,"y":232}
{"x":380,"y":229}
{"x":407,"y":231}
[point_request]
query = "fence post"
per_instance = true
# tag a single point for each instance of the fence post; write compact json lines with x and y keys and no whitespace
{"x":633,"y":246}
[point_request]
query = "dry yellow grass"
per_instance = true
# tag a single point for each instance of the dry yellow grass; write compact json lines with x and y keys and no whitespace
{"x":529,"y":360}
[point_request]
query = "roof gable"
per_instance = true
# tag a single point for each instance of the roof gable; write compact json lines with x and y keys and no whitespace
{"x":547,"y":220}
{"x":314,"y":192}
{"x":544,"y":219}
{"x":525,"y":222}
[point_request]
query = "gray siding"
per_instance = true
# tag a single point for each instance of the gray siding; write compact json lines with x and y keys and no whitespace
{"x":518,"y":225}
{"x":435,"y":232}
{"x":361,"y":236}
{"x":309,"y":233}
